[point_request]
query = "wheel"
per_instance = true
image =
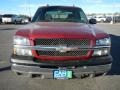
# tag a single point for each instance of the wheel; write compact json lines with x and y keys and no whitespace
{"x":102,"y":20}
{"x":15,"y":22}
{"x":21,"y":21}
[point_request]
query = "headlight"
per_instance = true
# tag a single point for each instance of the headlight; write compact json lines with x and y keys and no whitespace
{"x":19,"y":40}
{"x":102,"y":42}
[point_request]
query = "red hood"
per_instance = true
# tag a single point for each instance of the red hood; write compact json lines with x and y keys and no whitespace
{"x":60,"y":30}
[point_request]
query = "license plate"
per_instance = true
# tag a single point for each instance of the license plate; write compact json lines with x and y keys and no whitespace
{"x":62,"y":74}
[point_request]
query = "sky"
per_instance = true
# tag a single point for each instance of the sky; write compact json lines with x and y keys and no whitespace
{"x":28,"y":7}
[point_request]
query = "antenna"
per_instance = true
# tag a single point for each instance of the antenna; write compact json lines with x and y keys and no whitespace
{"x":29,"y":9}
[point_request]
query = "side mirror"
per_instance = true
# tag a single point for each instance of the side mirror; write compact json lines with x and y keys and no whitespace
{"x":92,"y":21}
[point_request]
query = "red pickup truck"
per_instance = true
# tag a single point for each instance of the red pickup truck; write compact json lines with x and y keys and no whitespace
{"x":61,"y":43}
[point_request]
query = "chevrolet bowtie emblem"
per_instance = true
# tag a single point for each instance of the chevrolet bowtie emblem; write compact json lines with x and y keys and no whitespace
{"x":65,"y":49}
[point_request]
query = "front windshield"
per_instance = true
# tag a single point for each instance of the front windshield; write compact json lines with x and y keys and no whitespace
{"x":61,"y":15}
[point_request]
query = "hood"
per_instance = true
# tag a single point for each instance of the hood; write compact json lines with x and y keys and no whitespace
{"x":61,"y":30}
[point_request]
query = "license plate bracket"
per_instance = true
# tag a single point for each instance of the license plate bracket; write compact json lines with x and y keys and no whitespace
{"x":62,"y":74}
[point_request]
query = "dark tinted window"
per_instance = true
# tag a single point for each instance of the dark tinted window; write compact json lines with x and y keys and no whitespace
{"x":7,"y":15}
{"x":60,"y":14}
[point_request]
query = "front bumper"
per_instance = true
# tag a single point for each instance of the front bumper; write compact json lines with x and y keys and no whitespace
{"x":94,"y":65}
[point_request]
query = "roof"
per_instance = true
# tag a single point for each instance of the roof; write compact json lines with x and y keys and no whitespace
{"x":59,"y":6}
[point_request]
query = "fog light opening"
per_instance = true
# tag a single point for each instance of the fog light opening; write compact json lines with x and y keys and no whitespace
{"x":101,"y":52}
{"x":24,"y":52}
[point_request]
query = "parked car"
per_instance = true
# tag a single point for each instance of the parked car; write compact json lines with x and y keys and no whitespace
{"x":100,"y":19}
{"x":11,"y":18}
{"x":116,"y":19}
{"x":25,"y":20}
{"x":17,"y":19}
{"x":89,"y":17}
{"x":61,"y":43}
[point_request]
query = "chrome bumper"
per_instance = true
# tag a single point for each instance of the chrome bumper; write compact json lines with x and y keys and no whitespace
{"x":94,"y":65}
{"x":48,"y":71}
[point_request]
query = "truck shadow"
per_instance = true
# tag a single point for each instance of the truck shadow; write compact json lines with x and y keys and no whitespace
{"x":115,"y":52}
{"x":5,"y":68}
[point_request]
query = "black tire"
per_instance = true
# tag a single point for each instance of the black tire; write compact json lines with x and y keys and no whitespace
{"x":0,"y":22}
{"x":21,"y":21}
{"x":15,"y":22}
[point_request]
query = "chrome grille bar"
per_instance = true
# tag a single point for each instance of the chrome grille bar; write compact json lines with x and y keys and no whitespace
{"x":52,"y":48}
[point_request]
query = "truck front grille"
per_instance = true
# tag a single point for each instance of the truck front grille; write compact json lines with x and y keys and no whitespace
{"x":57,"y":53}
{"x":67,"y":42}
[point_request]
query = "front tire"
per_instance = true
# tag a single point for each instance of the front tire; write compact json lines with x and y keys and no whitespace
{"x":15,"y":22}
{"x":102,"y":21}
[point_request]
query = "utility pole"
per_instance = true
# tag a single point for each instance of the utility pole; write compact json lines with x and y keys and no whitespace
{"x":112,"y":21}
{"x":26,"y":7}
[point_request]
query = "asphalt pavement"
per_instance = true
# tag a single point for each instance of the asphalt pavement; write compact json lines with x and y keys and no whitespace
{"x":10,"y":81}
